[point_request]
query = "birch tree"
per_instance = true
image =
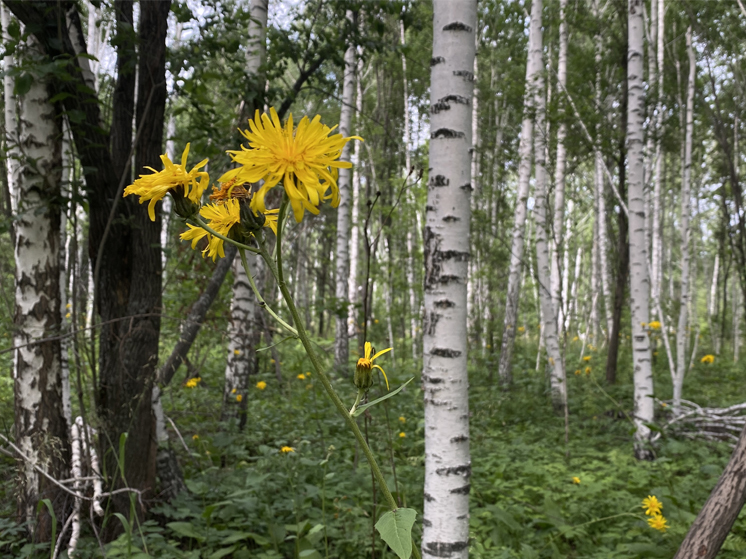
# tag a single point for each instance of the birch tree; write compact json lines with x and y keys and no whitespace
{"x":533,"y":77}
{"x":638,"y":250}
{"x":682,"y":333}
{"x":341,"y":343}
{"x":446,"y":249}
{"x":41,"y":431}
{"x":244,"y":325}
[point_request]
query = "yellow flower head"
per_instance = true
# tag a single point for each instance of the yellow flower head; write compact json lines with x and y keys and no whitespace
{"x":587,"y":358}
{"x":365,"y":367}
{"x":708,"y":359}
{"x":575,"y":339}
{"x":195,"y":437}
{"x":261,"y":385}
{"x":234,"y":391}
{"x":301,"y":377}
{"x":239,"y":397}
{"x":402,"y":419}
{"x":521,"y":329}
{"x":305,"y":159}
{"x":402,"y":435}
{"x":576,"y":480}
{"x":286,"y":449}
{"x":587,"y":370}
{"x":192,"y":382}
{"x":652,"y":505}
{"x":657,"y":522}
{"x":222,"y":218}
{"x":191,"y":184}
{"x":577,"y":371}
{"x":655,"y":325}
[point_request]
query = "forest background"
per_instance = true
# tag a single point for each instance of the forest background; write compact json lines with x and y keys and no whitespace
{"x":151,"y":407}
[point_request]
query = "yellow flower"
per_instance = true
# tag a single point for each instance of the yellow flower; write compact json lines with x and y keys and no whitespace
{"x":375,"y":321}
{"x":402,"y":419}
{"x":402,"y":435}
{"x":222,"y":218}
{"x":236,"y":352}
{"x":587,"y":370}
{"x":587,"y":358}
{"x":301,"y":376}
{"x":521,"y":329}
{"x":233,"y":391}
{"x":154,"y":187}
{"x":286,"y":449}
{"x":708,"y":359}
{"x":69,"y":305}
{"x":308,"y":374}
{"x":239,"y":397}
{"x":655,"y":354}
{"x":577,"y":371}
{"x":575,"y":339}
{"x":261,"y":385}
{"x":576,"y":480}
{"x":68,"y":315}
{"x":655,"y":325}
{"x":192,"y":383}
{"x":590,"y":347}
{"x":657,"y":522}
{"x":365,"y":366}
{"x":195,"y":437}
{"x":664,"y":404}
{"x":652,"y":505}
{"x":304,"y":159}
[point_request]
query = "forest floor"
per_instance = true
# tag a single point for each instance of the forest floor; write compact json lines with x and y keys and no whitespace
{"x":249,"y":499}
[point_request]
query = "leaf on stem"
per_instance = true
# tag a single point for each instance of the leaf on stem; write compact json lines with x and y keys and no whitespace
{"x":395,"y":528}
{"x":364,"y":407}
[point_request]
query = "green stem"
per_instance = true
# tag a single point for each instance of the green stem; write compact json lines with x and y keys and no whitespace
{"x":357,"y":401}
{"x":278,"y":273}
{"x":199,"y":223}
{"x":259,"y":297}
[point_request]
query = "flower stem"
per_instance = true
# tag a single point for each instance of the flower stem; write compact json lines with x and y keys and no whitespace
{"x":259,"y":298}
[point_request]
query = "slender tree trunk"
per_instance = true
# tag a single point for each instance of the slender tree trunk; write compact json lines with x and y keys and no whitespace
{"x":244,"y":327}
{"x":682,"y":333}
{"x":657,"y":268}
{"x":41,"y":431}
{"x":534,"y":68}
{"x":639,"y":280}
{"x":444,"y":377}
{"x":353,"y":284}
{"x":341,"y":343}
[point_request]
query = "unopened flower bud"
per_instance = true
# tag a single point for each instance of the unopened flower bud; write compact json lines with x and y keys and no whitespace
{"x":364,"y":374}
{"x":183,"y":206}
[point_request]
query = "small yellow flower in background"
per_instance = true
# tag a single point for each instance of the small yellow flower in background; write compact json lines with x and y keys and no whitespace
{"x":643,"y":324}
{"x":575,"y":339}
{"x":402,"y":419}
{"x":587,"y":370}
{"x":652,"y":505}
{"x":261,"y":385}
{"x":577,"y":371}
{"x":402,"y":435}
{"x":286,"y":449}
{"x":195,"y":437}
{"x":521,"y":329}
{"x":308,"y":374}
{"x":304,"y":159}
{"x":655,"y":354}
{"x":375,"y":321}
{"x":664,"y":404}
{"x":301,"y":376}
{"x":576,"y":480}
{"x":365,"y":366}
{"x":239,"y":397}
{"x":236,"y":352}
{"x":68,"y":315}
{"x":173,"y":177}
{"x":309,"y":386}
{"x":192,"y":382}
{"x":708,"y":359}
{"x":272,"y":361}
{"x":587,"y":358}
{"x":68,"y":306}
{"x":590,"y":347}
{"x":234,"y":391}
{"x":657,"y":522}
{"x":655,"y":325}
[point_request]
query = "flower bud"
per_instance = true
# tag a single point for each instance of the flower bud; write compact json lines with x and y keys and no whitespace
{"x":250,"y":221}
{"x":363,"y":374}
{"x":183,"y":206}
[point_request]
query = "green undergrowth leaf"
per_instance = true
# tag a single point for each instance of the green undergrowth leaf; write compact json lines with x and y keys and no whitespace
{"x":395,"y":528}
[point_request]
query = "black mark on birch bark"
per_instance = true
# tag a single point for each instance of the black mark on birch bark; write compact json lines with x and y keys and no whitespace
{"x":435,"y":60}
{"x":461,"y":490}
{"x":432,"y":380}
{"x":431,"y":321}
{"x":453,"y":98}
{"x":444,"y":549}
{"x":457,"y":255}
{"x":444,"y":304}
{"x":459,"y":439}
{"x":446,"y":133}
{"x":438,"y":107}
{"x":461,"y":470}
{"x":445,"y":280}
{"x":429,"y":498}
{"x":451,"y":218}
{"x":444,"y":352}
{"x":457,"y":26}
{"x":466,"y":186}
{"x":439,"y":180}
{"x":468,"y":76}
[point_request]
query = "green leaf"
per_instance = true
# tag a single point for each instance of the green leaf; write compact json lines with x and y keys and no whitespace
{"x":14,"y":29}
{"x":240,"y":536}
{"x":395,"y":528}
{"x":186,"y":529}
{"x":222,"y":552}
{"x":23,"y":84}
{"x":47,"y":503}
{"x":364,"y":407}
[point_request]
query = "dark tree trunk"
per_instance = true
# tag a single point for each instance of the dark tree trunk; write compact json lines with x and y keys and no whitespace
{"x":622,"y":274}
{"x":714,"y":521}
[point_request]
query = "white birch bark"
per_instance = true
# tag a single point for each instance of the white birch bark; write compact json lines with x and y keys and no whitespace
{"x":548,"y":311}
{"x":353,"y":285}
{"x":446,"y":248}
{"x":534,"y":68}
{"x":639,"y":280}
{"x":559,"y":170}
{"x":682,"y":328}
{"x":564,"y":311}
{"x":341,"y":342}
{"x":657,"y":240}
{"x":242,"y":326}
{"x":712,"y":306}
{"x":40,"y":426}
